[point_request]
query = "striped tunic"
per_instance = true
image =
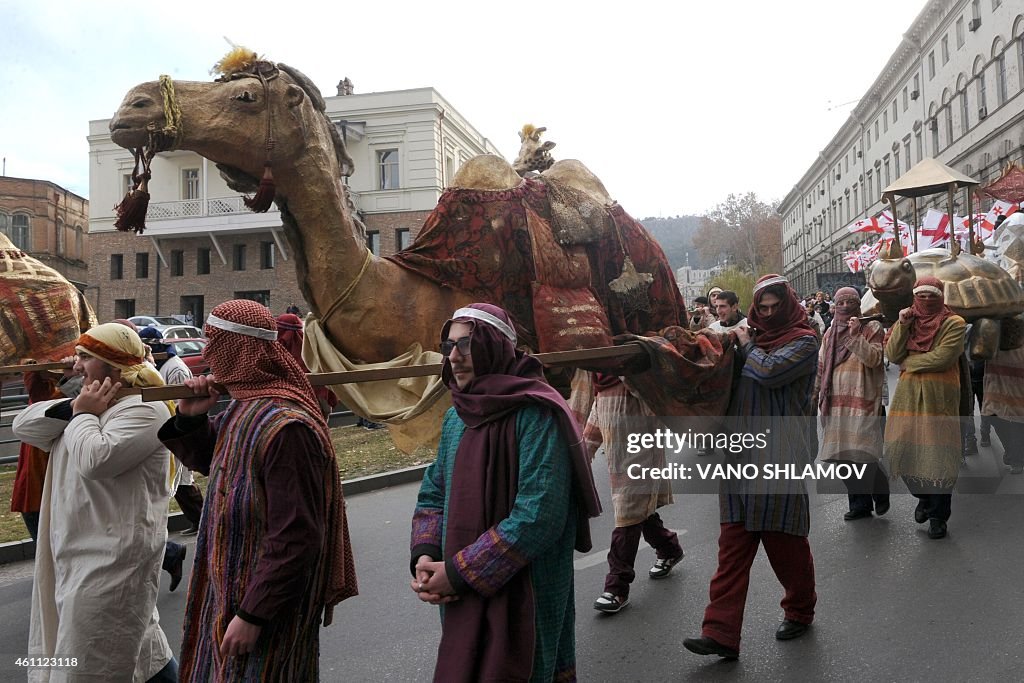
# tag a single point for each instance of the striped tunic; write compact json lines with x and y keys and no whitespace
{"x":614,"y":411}
{"x":538,"y":534}
{"x":852,"y":429}
{"x":231,"y":549}
{"x":1004,"y":385}
{"x":774,"y":393}
{"x":922,"y":433}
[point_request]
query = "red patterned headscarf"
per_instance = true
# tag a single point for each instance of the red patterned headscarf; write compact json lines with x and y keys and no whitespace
{"x":245,"y":357}
{"x":786,"y":324}
{"x":927,"y":315}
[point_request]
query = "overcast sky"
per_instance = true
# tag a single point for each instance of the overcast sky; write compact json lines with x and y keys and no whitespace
{"x":674,"y":105}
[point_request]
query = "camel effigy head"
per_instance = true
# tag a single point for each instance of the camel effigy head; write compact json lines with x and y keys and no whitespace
{"x":534,"y":155}
{"x":256,"y":112}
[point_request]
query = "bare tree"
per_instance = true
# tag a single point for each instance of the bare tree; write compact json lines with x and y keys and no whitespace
{"x":747,"y":230}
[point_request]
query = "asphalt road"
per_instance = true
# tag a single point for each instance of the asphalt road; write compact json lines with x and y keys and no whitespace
{"x":892,"y":604}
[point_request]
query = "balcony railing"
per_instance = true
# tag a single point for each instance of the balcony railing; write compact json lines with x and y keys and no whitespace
{"x":193,"y":208}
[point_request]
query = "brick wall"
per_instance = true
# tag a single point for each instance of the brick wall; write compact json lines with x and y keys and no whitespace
{"x":49,"y":205}
{"x":386,"y":225}
{"x":219,"y":285}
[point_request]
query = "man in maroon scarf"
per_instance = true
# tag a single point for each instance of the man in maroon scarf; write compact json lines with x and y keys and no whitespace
{"x":772,"y":397}
{"x":500,"y":511}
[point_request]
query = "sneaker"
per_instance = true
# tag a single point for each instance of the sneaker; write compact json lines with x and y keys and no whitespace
{"x":610,"y":604}
{"x":191,"y":531}
{"x":662,"y":566}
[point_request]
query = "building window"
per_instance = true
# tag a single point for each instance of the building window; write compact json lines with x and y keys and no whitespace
{"x":906,"y":98}
{"x":266,"y":255}
{"x":931,"y":65}
{"x":387,"y":164}
{"x":117,"y":266}
{"x":906,"y":151}
{"x":976,"y":9}
{"x":934,"y":124}
{"x":177,"y":263}
{"x":402,"y":238}
{"x":949,"y":123}
{"x":126,"y":184}
{"x":260,"y":296}
{"x":16,"y":229}
{"x":202,"y":261}
{"x":190,"y":183}
{"x":920,"y":145}
{"x":141,"y":266}
{"x":124,"y":308}
{"x":60,"y":237}
{"x":238,"y":258}
{"x":944,"y":43}
{"x":896,"y":163}
{"x":449,"y":170}
{"x":885,"y":121}
{"x":856,"y":201}
{"x":959,"y":33}
{"x":373,"y":242}
{"x":982,"y":95}
{"x":79,"y":247}
{"x":965,"y":111}
{"x":867,"y":144}
{"x":1001,"y":76}
{"x":888,"y":176}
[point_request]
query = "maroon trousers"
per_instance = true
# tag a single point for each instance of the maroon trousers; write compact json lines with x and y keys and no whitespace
{"x":624,"y":546}
{"x":790,"y":557}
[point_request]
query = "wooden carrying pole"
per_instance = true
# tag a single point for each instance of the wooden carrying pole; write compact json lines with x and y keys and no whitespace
{"x":55,"y":365}
{"x":174,"y":391}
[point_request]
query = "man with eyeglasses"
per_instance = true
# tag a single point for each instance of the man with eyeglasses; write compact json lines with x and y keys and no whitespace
{"x":500,"y":511}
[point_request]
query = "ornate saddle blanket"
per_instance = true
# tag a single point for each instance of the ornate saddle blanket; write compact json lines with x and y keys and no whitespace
{"x":42,"y":314}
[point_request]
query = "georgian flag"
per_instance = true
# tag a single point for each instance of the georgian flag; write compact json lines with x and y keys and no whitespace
{"x":1000,"y":208}
{"x":853,"y":261}
{"x":866,"y":225}
{"x":935,"y":228}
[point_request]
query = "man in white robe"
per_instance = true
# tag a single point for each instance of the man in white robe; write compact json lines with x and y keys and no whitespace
{"x":102,"y":523}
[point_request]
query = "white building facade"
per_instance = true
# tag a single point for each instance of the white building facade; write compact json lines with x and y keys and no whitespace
{"x":202,"y":246}
{"x":953,"y":90}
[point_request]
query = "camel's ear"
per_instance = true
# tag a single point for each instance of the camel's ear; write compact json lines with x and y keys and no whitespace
{"x":547,"y":145}
{"x":294,"y":96}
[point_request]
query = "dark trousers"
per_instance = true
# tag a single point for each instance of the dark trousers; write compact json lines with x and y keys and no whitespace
{"x":32,"y":524}
{"x":1011,"y":435}
{"x":935,"y":501}
{"x":626,"y":542}
{"x":790,"y":557}
{"x":190,"y":500}
{"x":171,"y":550}
{"x":867,"y":491}
{"x":168,"y":674}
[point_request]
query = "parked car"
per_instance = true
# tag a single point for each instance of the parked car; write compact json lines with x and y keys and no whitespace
{"x":191,"y":351}
{"x":180,"y":331}
{"x":154,"y":320}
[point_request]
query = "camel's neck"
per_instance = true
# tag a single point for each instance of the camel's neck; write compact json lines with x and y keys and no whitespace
{"x":329,"y":253}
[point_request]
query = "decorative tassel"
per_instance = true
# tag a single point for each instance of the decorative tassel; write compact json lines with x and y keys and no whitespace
{"x":131,"y":212}
{"x":264,"y":197}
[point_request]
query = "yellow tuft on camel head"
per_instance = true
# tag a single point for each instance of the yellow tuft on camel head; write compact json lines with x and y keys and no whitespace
{"x":238,"y":59}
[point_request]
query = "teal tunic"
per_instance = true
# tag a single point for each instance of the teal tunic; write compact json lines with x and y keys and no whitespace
{"x":539,"y":533}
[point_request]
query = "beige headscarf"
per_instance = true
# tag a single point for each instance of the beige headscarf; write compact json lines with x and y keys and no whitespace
{"x":120,"y":346}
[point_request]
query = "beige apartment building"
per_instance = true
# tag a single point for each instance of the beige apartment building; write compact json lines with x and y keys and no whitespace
{"x":953,"y":90}
{"x":202,"y":246}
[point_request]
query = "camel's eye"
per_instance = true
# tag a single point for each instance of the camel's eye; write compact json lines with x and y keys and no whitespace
{"x":245,"y":96}
{"x":141,"y":103}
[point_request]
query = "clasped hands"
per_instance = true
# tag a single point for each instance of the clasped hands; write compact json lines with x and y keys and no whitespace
{"x":431,"y":582}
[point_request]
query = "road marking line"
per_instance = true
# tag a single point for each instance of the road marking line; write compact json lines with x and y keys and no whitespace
{"x":600,"y":556}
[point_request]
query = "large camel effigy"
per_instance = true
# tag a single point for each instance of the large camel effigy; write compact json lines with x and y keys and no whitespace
{"x":571,"y":267}
{"x":42,"y":314}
